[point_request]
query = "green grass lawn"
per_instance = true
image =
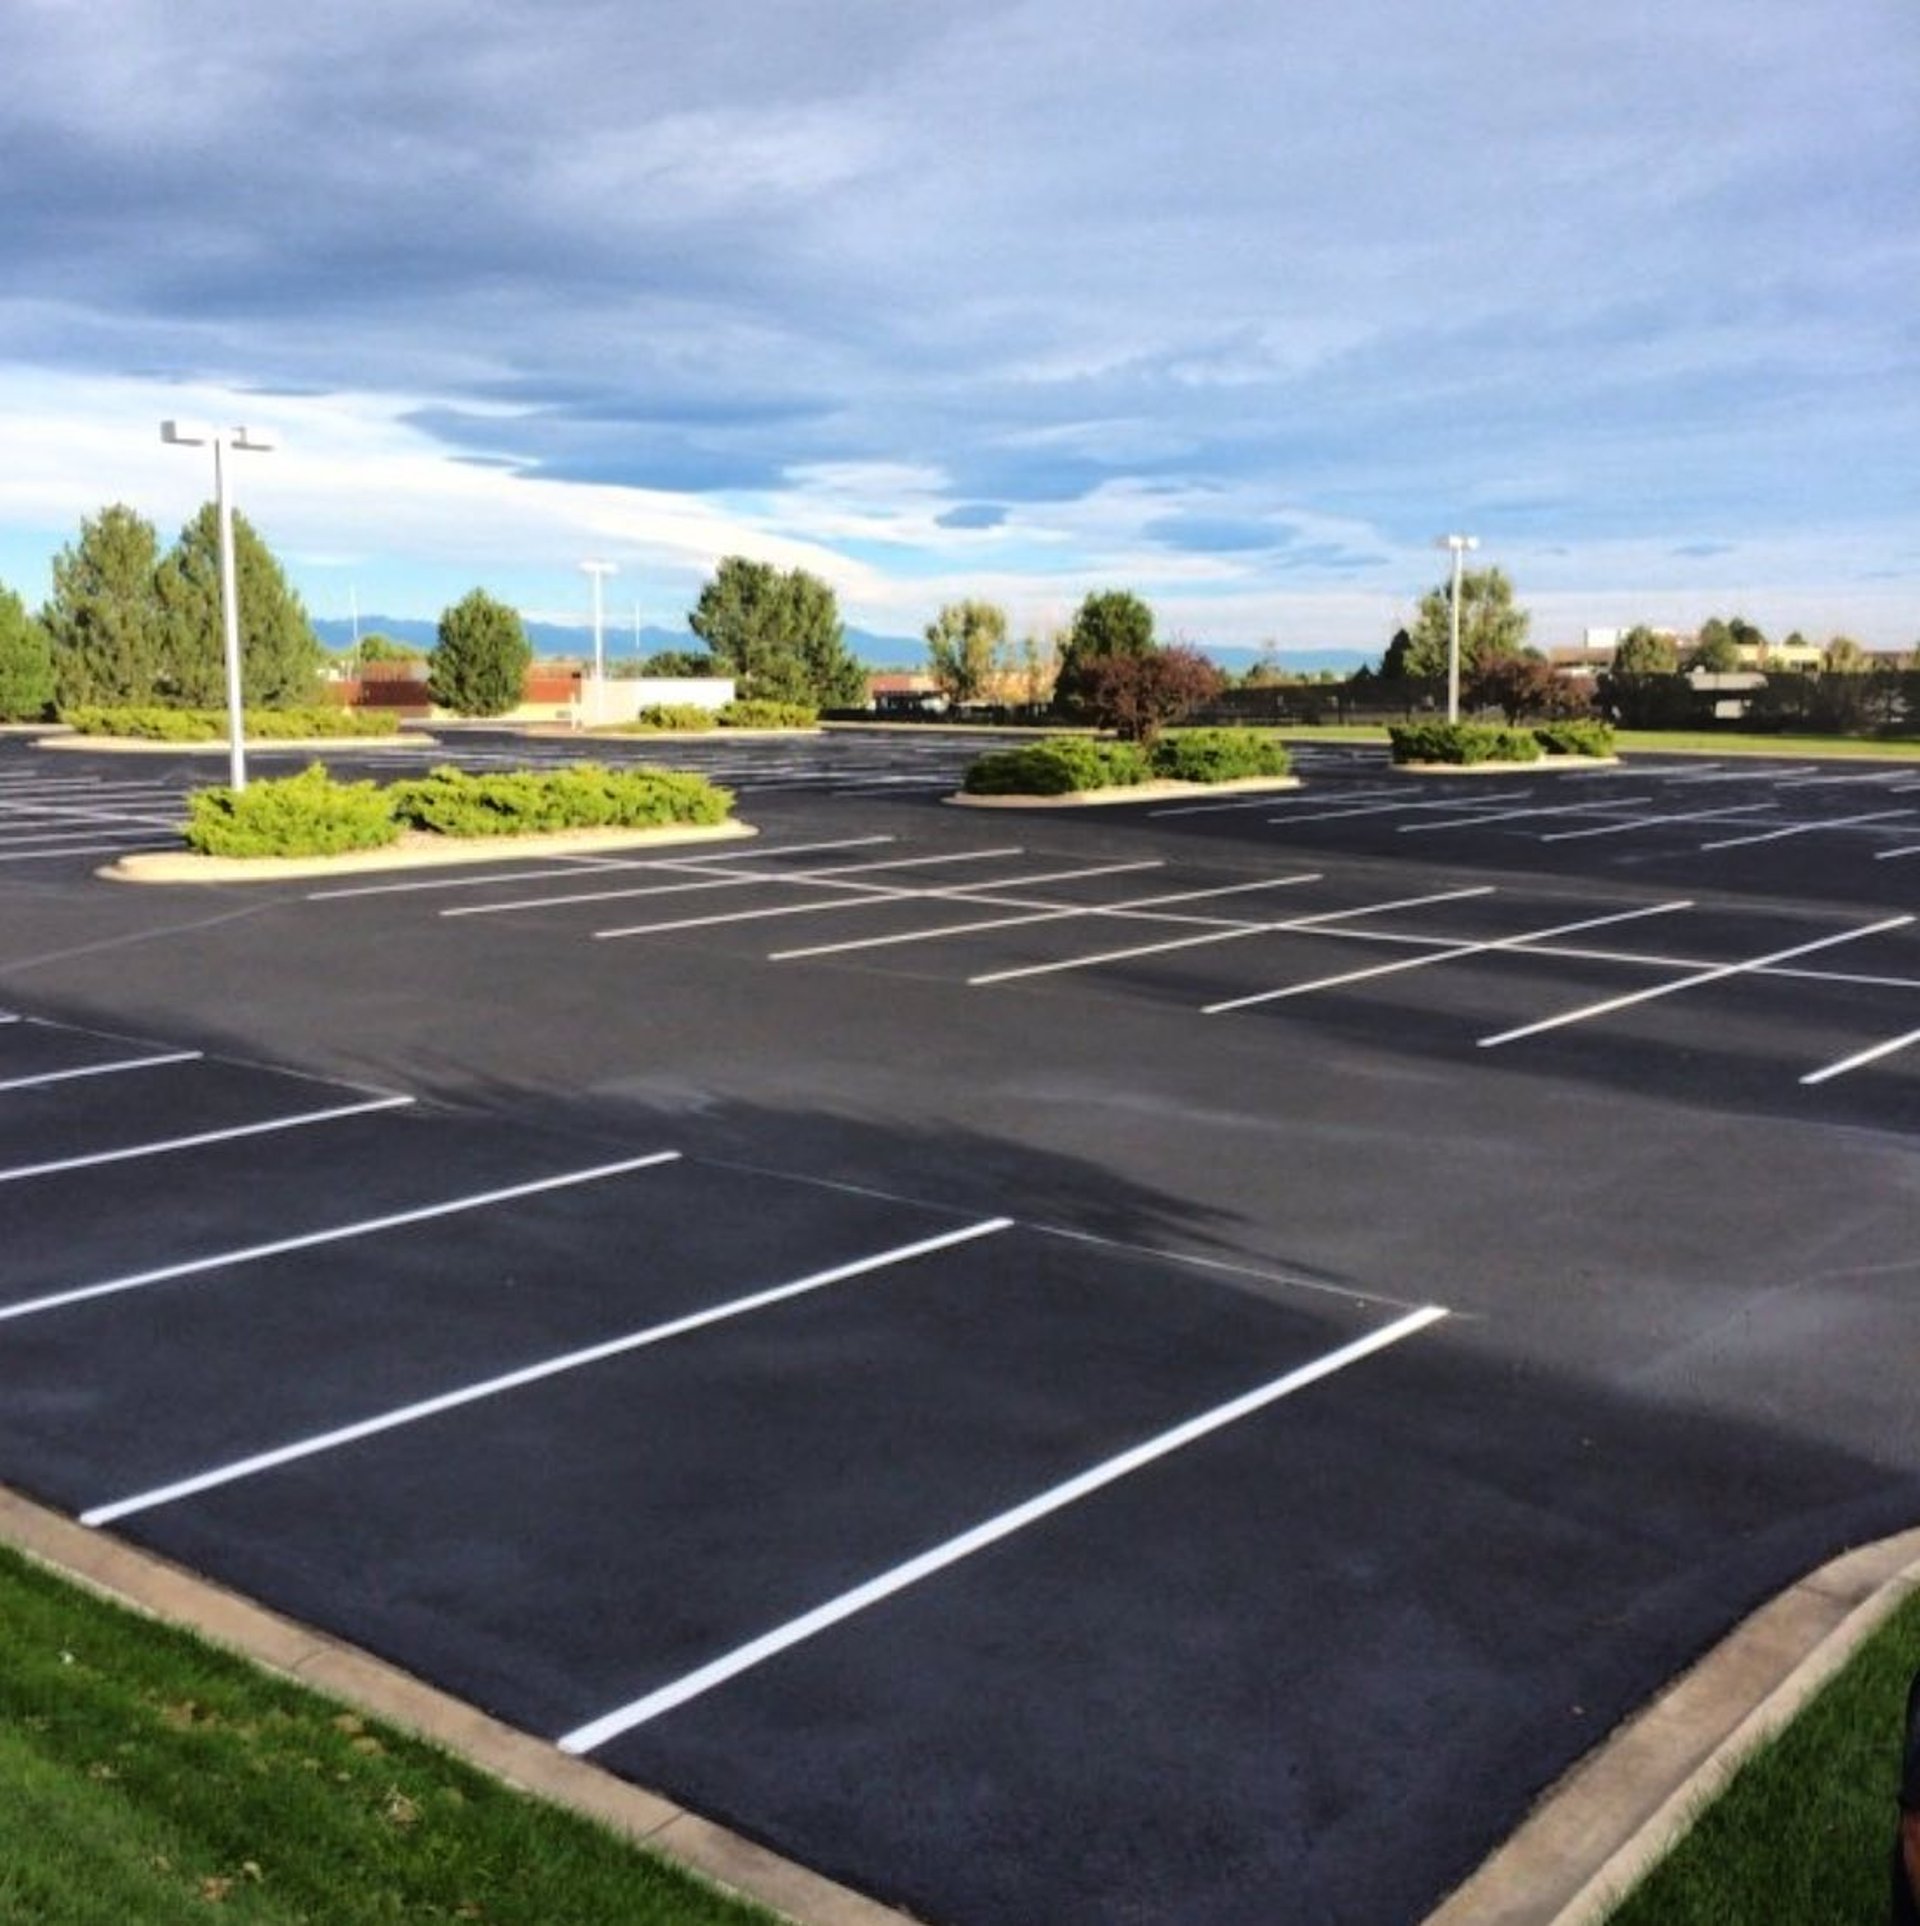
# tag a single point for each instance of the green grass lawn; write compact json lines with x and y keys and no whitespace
{"x":1708,"y":742}
{"x":1801,"y":1835}
{"x":146,"y":1777}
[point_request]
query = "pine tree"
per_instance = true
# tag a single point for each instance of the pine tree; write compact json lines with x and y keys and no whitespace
{"x":104,"y":620}
{"x":479,"y":664}
{"x":279,"y":655}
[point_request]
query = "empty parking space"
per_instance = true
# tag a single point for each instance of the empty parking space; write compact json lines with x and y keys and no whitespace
{"x":1214,"y":1331}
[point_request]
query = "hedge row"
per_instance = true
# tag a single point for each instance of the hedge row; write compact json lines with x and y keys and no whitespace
{"x":312,"y":814}
{"x":1068,"y":765}
{"x":1461,"y":743}
{"x":155,"y":724}
{"x":664,"y":718}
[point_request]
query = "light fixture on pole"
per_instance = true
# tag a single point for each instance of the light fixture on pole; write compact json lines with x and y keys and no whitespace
{"x":194,"y":434}
{"x":1460,"y":544}
{"x":599,"y":571}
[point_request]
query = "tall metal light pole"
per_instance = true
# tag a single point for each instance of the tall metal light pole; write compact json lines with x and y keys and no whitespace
{"x":194,"y":434}
{"x":599,"y":571}
{"x":1460,"y":544}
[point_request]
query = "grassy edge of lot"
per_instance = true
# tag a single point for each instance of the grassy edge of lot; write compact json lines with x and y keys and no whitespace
{"x":1804,"y":1829}
{"x":1652,"y":741}
{"x":145,"y":1775}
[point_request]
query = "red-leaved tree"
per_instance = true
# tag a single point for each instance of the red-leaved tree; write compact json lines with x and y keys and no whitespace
{"x":1136,"y":695}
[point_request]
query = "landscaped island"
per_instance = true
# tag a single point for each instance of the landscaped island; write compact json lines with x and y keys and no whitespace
{"x":313,"y":814}
{"x":1085,"y":766}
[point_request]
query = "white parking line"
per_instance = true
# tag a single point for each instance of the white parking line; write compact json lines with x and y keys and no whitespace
{"x":1317,"y":921}
{"x":1389,"y":808}
{"x":1591,"y":808}
{"x":100,"y":1070}
{"x":1862,"y":1057}
{"x":872,"y":894}
{"x":1481,"y":948}
{"x":1258,"y":802}
{"x":1690,"y":982}
{"x":575,"y":863}
{"x":534,"y":1373}
{"x":86,"y":849}
{"x":1654,"y":822}
{"x":1807,"y":829}
{"x":161,"y":1148}
{"x":339,"y":1233}
{"x":597,"y":1732}
{"x":1135,"y":906}
{"x":725,"y":879}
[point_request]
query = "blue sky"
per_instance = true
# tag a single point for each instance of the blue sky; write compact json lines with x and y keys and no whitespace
{"x":1235,"y":306}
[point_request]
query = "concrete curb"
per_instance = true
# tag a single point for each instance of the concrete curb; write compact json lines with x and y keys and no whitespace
{"x":420,"y":852}
{"x":150,"y":1585}
{"x":269,"y":746}
{"x":1539,"y":766}
{"x":1625,"y":1805}
{"x":1134,"y":792}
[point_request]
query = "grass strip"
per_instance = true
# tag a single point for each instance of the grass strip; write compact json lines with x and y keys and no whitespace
{"x":147,"y":1776}
{"x":1804,"y":1830}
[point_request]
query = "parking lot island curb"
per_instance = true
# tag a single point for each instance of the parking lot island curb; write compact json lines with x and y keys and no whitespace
{"x":415,"y":851}
{"x":1624,"y":1806}
{"x":151,"y":1585}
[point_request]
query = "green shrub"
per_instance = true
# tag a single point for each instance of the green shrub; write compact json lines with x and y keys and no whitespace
{"x":305,"y":815}
{"x":156,"y":724}
{"x":450,"y":802}
{"x":1575,"y":738}
{"x":1059,"y":766}
{"x":746,"y":714}
{"x":676,"y":716}
{"x":1219,"y":755}
{"x":1461,"y":743}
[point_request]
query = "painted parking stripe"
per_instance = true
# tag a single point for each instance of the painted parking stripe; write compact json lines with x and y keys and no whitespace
{"x":598,"y":1732}
{"x":1405,"y":963}
{"x":1259,"y":802}
{"x":1135,"y":906}
{"x":873,"y":893}
{"x":576,"y":863}
{"x":1654,"y":822}
{"x":1386,"y":809}
{"x":1807,"y":829}
{"x":535,"y":1373}
{"x":85,"y":849}
{"x":1318,"y":921}
{"x":1860,"y":1058}
{"x":1591,"y":808}
{"x":1693,"y":981}
{"x":691,"y":882}
{"x":161,"y":1148}
{"x":100,"y":1069}
{"x":339,"y":1233}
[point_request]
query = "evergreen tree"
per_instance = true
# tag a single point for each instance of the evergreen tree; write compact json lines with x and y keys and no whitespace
{"x":1641,"y":652}
{"x":1108,"y":624}
{"x":26,"y":663}
{"x":103,"y":620}
{"x":479,"y":664}
{"x":279,"y":654}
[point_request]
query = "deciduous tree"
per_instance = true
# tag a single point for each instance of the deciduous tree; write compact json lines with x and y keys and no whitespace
{"x":966,"y":643}
{"x":1641,"y":652}
{"x":1109,"y":623}
{"x":1492,"y":625}
{"x":1137,"y":695}
{"x":779,"y":633}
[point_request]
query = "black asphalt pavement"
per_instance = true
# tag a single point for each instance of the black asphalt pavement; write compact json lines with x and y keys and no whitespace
{"x":904,"y":1333}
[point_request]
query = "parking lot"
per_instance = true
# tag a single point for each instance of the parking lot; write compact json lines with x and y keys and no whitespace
{"x":1175,"y":1362}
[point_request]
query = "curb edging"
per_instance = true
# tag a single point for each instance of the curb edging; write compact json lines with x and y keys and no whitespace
{"x":143,"y":1582}
{"x":1623,"y":1807}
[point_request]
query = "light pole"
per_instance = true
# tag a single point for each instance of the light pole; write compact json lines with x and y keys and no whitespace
{"x":599,"y":571}
{"x":194,"y":434}
{"x":1460,"y":544}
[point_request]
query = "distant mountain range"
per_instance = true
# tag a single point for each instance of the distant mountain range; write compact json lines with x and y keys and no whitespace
{"x":876,"y":651}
